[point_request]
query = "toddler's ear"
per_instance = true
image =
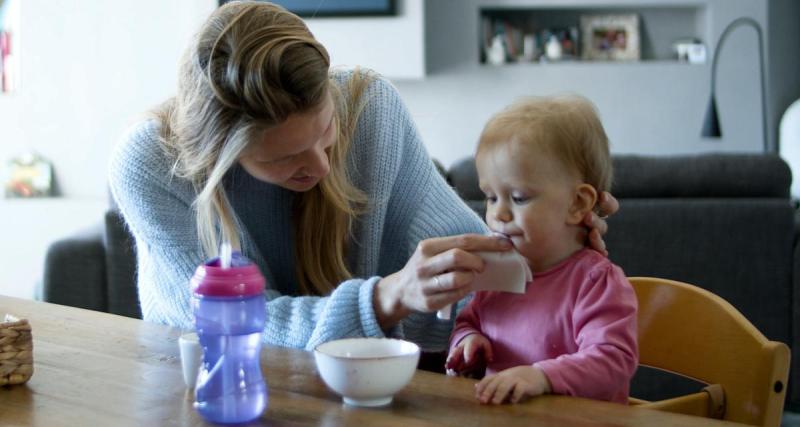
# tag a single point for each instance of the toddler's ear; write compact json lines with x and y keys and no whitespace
{"x":582,"y":203}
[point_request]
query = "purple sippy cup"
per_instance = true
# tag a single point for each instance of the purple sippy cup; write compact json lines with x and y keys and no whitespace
{"x":230,"y":312}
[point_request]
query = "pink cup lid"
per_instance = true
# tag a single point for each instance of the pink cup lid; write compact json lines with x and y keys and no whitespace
{"x":242,"y":278}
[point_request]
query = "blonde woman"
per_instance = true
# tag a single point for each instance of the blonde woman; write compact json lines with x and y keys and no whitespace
{"x":318,"y":176}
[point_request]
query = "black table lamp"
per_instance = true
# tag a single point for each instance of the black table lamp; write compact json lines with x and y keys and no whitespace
{"x":711,"y":128}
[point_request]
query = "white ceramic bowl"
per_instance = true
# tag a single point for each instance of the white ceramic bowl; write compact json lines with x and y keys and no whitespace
{"x":367,"y":371}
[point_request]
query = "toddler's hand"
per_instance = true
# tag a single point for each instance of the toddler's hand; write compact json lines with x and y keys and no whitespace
{"x":512,"y":385}
{"x":466,"y":354}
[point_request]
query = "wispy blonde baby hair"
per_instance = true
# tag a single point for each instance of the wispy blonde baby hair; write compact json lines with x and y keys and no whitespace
{"x":566,"y":126}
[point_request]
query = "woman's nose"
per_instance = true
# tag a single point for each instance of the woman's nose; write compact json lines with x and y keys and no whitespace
{"x":318,"y":163}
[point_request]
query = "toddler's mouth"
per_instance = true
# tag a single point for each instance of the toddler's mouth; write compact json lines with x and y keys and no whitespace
{"x":501,"y":234}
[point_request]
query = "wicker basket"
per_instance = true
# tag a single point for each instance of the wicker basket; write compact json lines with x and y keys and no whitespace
{"x":16,"y":352}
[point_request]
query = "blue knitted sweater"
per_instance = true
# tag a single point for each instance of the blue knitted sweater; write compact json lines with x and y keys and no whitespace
{"x":409,"y":202}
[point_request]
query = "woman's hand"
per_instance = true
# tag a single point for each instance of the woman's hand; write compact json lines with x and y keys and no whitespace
{"x":468,"y":353}
{"x":512,"y":385}
{"x":607,"y":205}
{"x":437,"y":274}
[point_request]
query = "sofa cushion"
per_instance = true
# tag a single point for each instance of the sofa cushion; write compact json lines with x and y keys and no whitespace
{"x":709,"y":175}
{"x":120,"y":257}
{"x":74,"y":271}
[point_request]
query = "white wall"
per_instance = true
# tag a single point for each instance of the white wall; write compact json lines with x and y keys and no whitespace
{"x":28,"y":227}
{"x":88,"y":67}
{"x":391,"y":45}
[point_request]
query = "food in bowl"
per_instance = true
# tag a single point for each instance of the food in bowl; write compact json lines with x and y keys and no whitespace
{"x":366,"y":371}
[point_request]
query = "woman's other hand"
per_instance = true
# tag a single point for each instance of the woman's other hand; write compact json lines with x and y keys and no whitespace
{"x":607,"y":205}
{"x":437,"y":274}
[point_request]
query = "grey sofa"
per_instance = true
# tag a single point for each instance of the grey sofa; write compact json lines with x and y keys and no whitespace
{"x":722,"y":222}
{"x":94,"y":269}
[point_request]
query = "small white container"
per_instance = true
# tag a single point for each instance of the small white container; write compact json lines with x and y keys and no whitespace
{"x":191,"y":357}
{"x":367,"y":371}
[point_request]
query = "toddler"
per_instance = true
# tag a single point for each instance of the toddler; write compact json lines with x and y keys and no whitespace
{"x":542,"y":163}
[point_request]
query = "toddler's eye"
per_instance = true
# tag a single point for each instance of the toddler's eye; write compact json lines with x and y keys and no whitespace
{"x":519,"y":200}
{"x":491,"y":199}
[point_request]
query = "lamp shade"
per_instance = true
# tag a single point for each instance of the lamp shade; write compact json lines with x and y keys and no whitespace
{"x":711,"y":122}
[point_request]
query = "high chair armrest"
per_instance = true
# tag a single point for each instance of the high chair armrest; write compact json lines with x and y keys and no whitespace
{"x":709,"y":403}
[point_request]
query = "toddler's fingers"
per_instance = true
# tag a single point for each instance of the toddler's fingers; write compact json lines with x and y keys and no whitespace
{"x":469,"y":352}
{"x":518,"y":393}
{"x":488,"y":389}
{"x":454,"y":359}
{"x":481,"y":385}
{"x":503,"y":388}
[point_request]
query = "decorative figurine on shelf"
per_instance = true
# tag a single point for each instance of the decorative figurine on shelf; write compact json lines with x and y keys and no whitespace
{"x":529,"y":50}
{"x":496,"y":52}
{"x":552,"y":50}
{"x":28,"y":175}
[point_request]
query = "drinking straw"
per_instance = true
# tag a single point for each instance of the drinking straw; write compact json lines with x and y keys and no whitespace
{"x":225,"y":254}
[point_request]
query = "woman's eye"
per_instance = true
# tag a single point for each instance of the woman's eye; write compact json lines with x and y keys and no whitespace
{"x":282,"y":160}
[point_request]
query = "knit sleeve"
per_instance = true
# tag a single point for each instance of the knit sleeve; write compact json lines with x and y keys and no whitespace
{"x":421,"y":205}
{"x":604,"y":319}
{"x":157,"y":209}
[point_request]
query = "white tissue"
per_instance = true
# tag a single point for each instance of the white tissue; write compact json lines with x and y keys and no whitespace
{"x":505,"y":271}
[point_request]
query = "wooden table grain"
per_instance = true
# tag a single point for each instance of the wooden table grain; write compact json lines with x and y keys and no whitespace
{"x":93,"y":368}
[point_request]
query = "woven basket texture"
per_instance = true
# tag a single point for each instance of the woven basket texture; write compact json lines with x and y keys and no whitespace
{"x":16,"y":352}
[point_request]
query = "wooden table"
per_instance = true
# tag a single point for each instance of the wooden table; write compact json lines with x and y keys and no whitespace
{"x":94,"y":368}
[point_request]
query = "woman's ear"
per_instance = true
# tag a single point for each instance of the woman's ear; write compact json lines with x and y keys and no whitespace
{"x":582,"y":203}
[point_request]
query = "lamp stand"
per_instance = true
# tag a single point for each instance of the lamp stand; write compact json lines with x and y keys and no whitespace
{"x":711,"y":127}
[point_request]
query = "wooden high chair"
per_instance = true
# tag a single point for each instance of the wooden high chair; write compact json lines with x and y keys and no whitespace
{"x":691,"y":332}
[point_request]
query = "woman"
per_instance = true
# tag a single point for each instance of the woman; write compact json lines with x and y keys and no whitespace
{"x":319,"y":177}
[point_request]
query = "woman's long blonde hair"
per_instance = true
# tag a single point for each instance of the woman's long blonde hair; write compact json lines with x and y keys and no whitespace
{"x":251,"y":66}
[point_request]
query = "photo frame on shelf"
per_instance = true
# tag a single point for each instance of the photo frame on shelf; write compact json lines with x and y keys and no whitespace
{"x":611,"y":37}
{"x":28,"y":175}
{"x":340,"y":8}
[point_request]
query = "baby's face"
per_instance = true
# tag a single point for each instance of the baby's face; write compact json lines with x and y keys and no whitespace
{"x":529,"y":196}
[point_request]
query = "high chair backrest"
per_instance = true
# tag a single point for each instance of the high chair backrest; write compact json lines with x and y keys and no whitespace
{"x":692,"y":332}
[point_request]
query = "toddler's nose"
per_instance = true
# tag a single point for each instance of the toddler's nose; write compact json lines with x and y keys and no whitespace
{"x":502,"y":214}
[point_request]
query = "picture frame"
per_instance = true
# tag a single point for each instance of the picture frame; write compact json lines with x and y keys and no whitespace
{"x":611,"y":37}
{"x":336,"y":8}
{"x":28,"y":176}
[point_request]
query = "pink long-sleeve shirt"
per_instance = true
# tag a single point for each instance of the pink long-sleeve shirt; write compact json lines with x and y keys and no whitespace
{"x":576,"y":322}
